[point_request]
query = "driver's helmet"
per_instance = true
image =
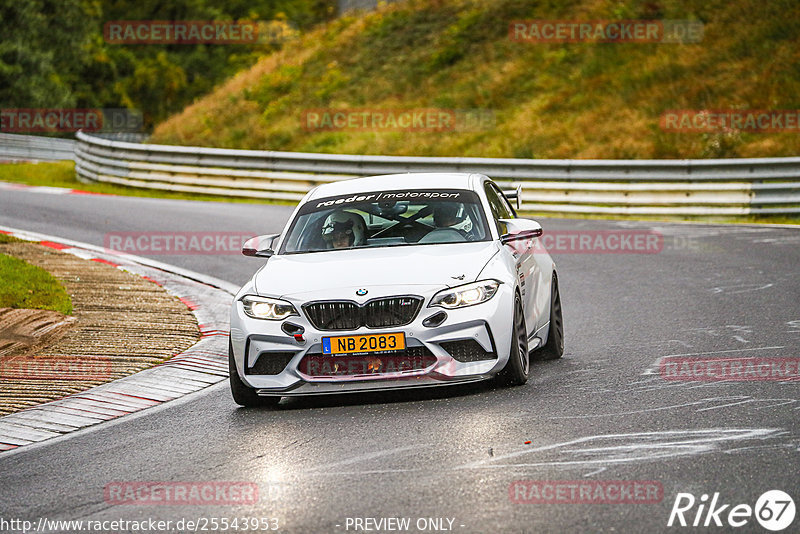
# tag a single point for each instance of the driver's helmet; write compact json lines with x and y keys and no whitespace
{"x":446,"y":214}
{"x":345,"y":223}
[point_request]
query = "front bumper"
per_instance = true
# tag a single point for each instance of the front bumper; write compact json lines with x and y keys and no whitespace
{"x":488,"y":324}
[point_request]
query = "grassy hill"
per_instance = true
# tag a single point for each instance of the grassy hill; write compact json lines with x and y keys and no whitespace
{"x":574,"y":100}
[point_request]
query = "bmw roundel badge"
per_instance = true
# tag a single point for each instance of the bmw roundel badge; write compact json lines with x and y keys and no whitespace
{"x":361,"y":292}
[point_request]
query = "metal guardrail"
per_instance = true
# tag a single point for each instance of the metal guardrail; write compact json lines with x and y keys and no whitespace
{"x":718,"y":187}
{"x":15,"y":147}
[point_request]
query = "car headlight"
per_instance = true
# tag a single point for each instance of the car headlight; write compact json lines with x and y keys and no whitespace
{"x":267,"y":308}
{"x":466,"y":295}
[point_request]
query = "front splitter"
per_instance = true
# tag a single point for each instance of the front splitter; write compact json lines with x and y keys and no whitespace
{"x":330,"y":388}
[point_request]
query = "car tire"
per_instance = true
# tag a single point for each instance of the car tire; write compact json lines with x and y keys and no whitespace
{"x":515,"y":373}
{"x":554,"y":348}
{"x":244,"y":395}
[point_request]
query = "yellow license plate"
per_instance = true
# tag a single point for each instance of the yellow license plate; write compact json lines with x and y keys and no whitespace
{"x":365,"y":343}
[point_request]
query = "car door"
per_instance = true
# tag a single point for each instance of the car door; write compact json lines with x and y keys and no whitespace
{"x":527,"y":269}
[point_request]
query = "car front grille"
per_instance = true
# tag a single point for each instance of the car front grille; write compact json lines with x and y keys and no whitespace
{"x":349,"y":315}
{"x":467,"y":350}
{"x":409,"y":360}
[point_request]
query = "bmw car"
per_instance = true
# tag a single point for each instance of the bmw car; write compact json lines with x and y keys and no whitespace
{"x":397,"y":281}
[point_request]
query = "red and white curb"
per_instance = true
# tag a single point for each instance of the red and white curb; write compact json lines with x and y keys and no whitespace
{"x":46,"y":189}
{"x":200,"y":366}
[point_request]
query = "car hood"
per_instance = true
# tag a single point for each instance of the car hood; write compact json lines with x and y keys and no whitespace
{"x":320,"y":272}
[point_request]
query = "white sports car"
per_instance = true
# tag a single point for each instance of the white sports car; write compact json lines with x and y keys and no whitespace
{"x":396,"y":281}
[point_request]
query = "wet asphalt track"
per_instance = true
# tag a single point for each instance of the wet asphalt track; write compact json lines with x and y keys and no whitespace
{"x":600,"y":413}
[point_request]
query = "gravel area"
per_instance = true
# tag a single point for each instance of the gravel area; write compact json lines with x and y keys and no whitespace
{"x":121,"y":324}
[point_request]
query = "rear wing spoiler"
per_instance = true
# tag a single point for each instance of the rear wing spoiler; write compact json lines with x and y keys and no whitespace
{"x":515,"y":195}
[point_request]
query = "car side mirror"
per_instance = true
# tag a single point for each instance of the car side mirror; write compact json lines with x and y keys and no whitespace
{"x":260,"y":246}
{"x":519,"y":230}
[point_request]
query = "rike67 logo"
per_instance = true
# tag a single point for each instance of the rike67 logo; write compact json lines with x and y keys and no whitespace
{"x":774,"y":510}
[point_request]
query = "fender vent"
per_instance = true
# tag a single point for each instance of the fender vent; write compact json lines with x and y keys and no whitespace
{"x":270,"y":363}
{"x":467,"y":350}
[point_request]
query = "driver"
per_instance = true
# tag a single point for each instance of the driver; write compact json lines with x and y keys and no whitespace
{"x":343,"y":229}
{"x":445,"y":214}
{"x":446,"y":222}
{"x":341,"y":235}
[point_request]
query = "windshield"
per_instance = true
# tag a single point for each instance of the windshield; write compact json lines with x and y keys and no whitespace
{"x":387,"y":219}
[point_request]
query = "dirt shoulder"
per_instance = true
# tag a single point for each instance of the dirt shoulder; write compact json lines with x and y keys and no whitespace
{"x":121,"y":324}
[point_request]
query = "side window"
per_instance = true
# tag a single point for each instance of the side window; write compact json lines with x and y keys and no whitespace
{"x":499,"y":207}
{"x":496,"y":205}
{"x":512,"y":212}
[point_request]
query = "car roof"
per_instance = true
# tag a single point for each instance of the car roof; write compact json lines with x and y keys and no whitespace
{"x":393,"y":182}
